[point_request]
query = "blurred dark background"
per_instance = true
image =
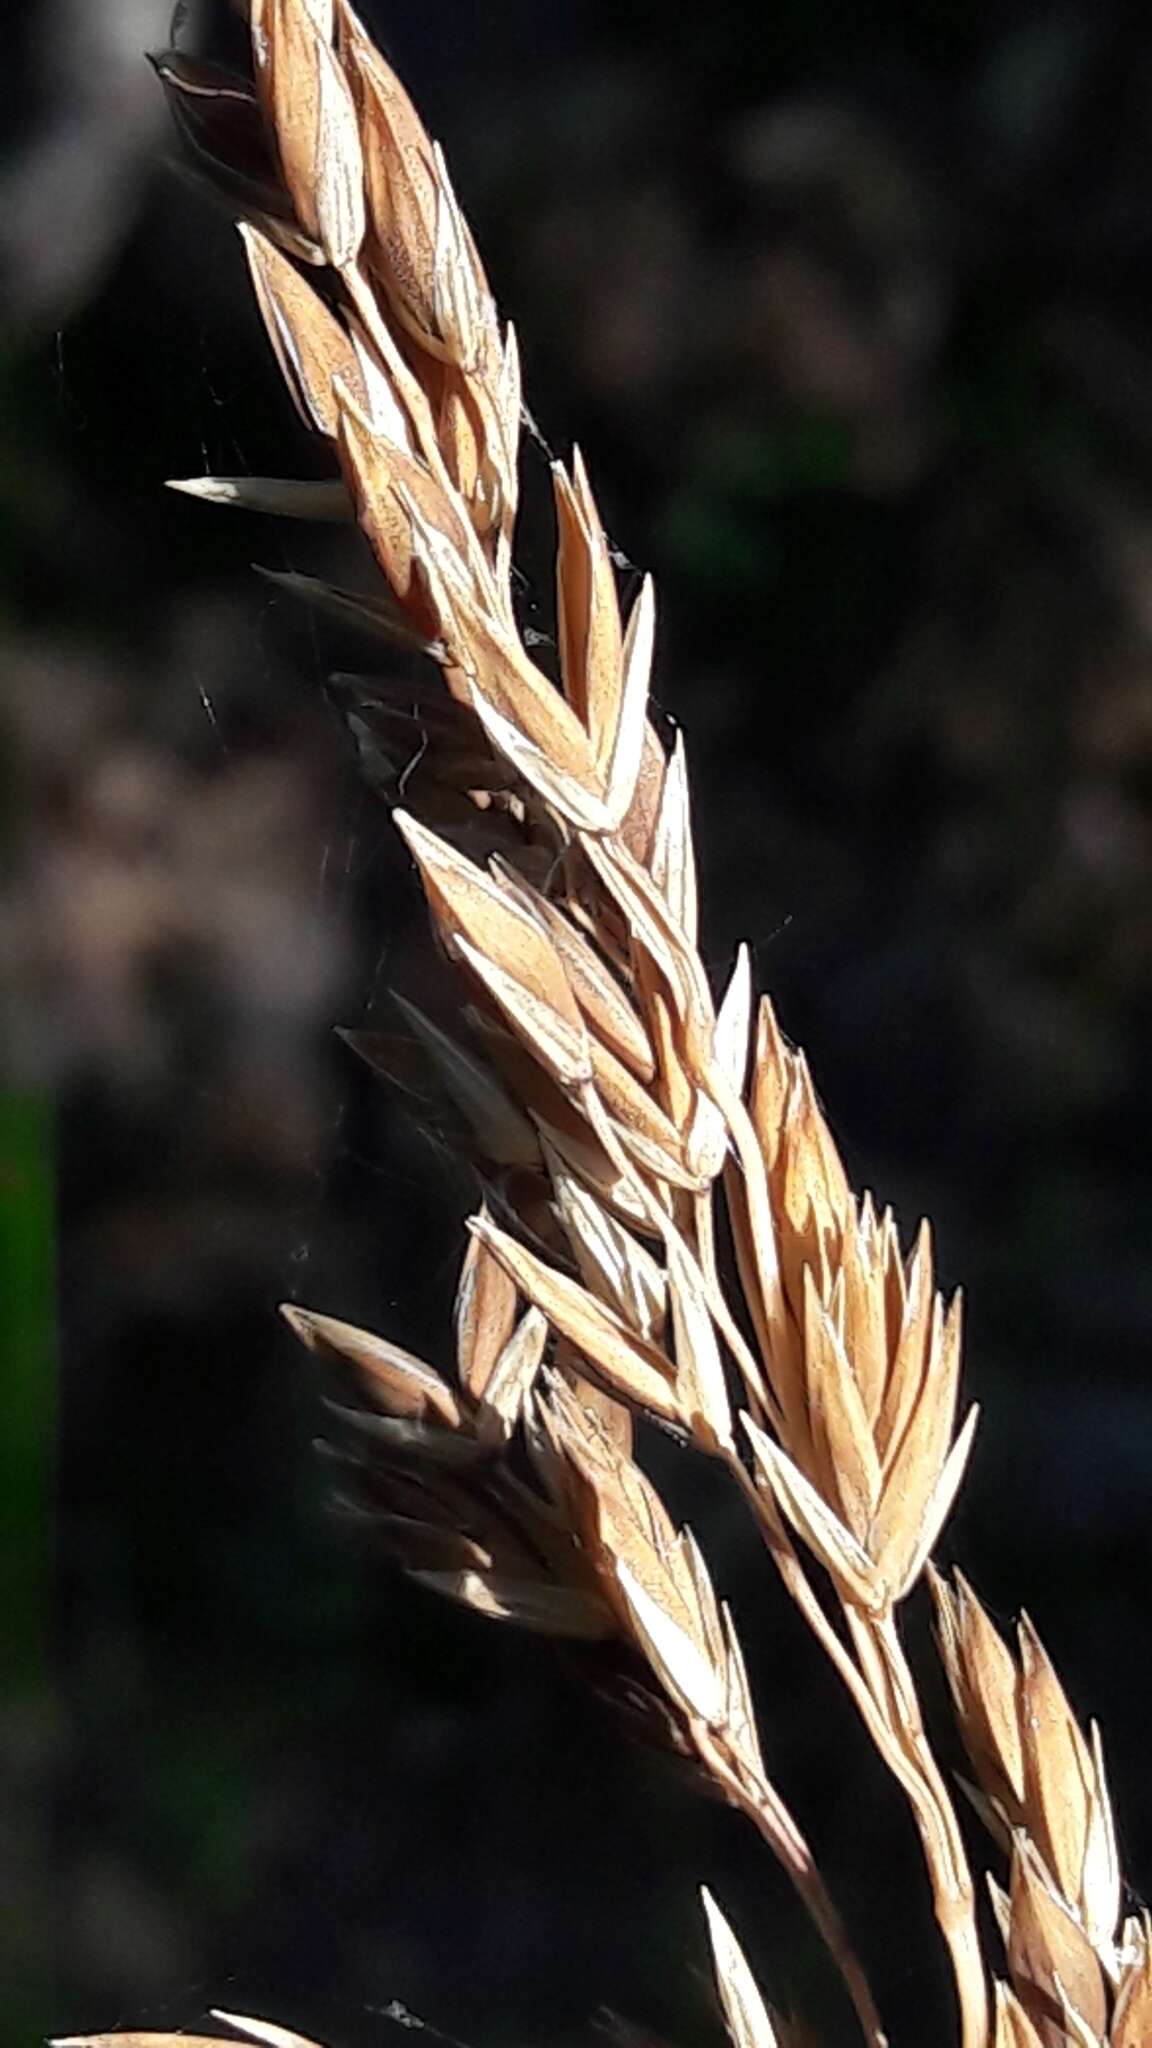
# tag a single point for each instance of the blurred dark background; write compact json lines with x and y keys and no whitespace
{"x":851,"y":309}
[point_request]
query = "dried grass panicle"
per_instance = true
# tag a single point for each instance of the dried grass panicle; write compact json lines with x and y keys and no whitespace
{"x":1079,"y":1970}
{"x":609,"y":1104}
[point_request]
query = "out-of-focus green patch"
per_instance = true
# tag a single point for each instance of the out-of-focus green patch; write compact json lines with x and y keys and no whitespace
{"x":714,"y":524}
{"x":27,"y":1376}
{"x":27,"y":1428}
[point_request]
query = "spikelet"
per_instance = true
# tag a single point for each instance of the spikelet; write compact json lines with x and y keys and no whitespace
{"x":1077,"y":1972}
{"x":864,"y":1356}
